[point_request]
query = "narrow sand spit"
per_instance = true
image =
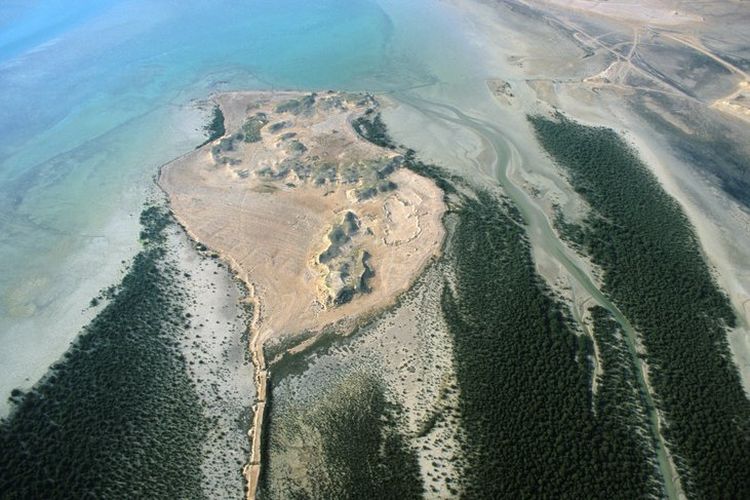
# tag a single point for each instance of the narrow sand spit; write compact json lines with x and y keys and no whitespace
{"x":320,"y":224}
{"x":215,"y":349}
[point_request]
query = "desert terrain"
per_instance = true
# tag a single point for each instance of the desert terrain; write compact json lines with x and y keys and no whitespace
{"x":511,"y":259}
{"x":322,"y":225}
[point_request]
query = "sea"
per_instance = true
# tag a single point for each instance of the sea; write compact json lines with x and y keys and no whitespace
{"x":96,"y":95}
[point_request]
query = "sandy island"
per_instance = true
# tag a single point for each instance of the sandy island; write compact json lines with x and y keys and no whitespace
{"x":321,"y":225}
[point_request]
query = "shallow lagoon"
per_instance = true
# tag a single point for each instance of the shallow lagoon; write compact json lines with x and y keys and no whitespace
{"x":94,"y":99}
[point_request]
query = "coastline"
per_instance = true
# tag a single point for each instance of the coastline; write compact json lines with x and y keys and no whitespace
{"x":251,"y":468}
{"x":68,"y":314}
{"x":156,"y":369}
{"x":56,"y":285}
{"x":406,"y":345}
{"x":542,"y":83}
{"x":532,"y":100}
{"x":256,"y":345}
{"x":216,"y":352}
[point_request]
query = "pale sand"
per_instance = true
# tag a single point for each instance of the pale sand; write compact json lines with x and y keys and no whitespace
{"x":546,"y":71}
{"x":216,"y":356}
{"x":274,"y":233}
{"x":737,"y":103}
{"x":659,"y":12}
{"x":272,"y":225}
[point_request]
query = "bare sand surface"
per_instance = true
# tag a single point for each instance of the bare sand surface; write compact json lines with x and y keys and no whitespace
{"x":660,"y":12}
{"x":737,"y":103}
{"x":271,"y":210}
{"x":322,"y":225}
{"x":215,"y":349}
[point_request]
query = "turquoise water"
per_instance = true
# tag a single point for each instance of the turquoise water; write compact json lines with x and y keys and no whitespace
{"x":94,"y":97}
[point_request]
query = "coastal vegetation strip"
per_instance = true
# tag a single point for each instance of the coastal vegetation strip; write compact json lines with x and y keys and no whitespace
{"x":118,"y":416}
{"x":655,"y":273}
{"x":524,"y":376}
{"x":215,"y":128}
{"x":531,"y":425}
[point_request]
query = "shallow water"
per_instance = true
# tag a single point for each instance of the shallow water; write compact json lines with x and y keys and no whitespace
{"x":95,"y":98}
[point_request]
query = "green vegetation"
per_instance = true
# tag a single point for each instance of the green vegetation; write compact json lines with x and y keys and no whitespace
{"x":154,"y":220}
{"x":347,"y":443}
{"x":215,"y":128}
{"x":367,"y":273}
{"x":655,"y":273}
{"x":226,"y":145}
{"x":532,"y":429}
{"x":349,"y":269}
{"x":252,"y":127}
{"x":275,"y":127}
{"x":532,"y":426}
{"x":619,"y":404}
{"x":304,"y":105}
{"x":445,"y":181}
{"x":339,"y":235}
{"x":117,"y":416}
{"x":371,"y":127}
{"x":296,"y":147}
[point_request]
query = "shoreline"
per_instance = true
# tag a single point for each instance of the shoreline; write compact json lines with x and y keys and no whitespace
{"x":151,"y":376}
{"x":261,"y":380}
{"x":251,"y":469}
{"x":320,"y":310}
{"x":233,"y":116}
{"x":217,"y":357}
{"x":720,"y":222}
{"x":56,"y":289}
{"x":75,"y":309}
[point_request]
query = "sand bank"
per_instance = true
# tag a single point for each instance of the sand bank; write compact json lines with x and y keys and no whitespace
{"x":305,"y":208}
{"x":322,"y":225}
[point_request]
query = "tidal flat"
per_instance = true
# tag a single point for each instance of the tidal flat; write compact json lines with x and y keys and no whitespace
{"x":404,"y":352}
{"x":482,"y":302}
{"x":153,"y":397}
{"x":506,"y":256}
{"x":634,"y":226}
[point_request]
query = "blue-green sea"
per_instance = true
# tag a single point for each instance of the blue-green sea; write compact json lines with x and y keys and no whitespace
{"x":95,"y":95}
